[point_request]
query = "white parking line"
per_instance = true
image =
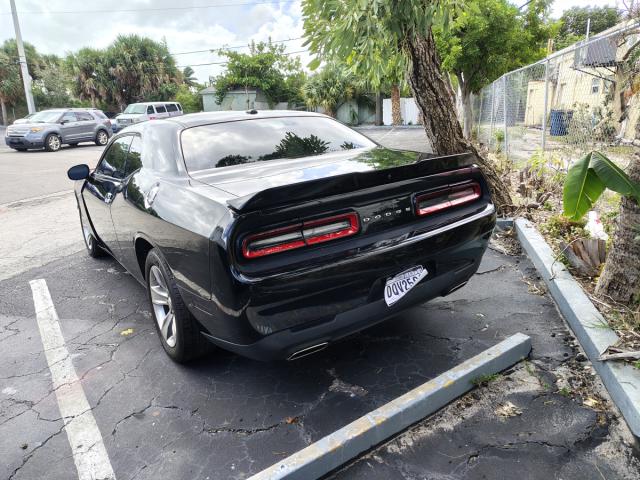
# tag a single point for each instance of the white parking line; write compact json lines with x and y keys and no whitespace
{"x":87,"y":446}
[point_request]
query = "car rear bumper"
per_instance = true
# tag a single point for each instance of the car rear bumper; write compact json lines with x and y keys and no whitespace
{"x":283,"y":315}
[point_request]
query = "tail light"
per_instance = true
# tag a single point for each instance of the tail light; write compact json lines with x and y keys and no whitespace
{"x":300,"y":235}
{"x":453,"y":196}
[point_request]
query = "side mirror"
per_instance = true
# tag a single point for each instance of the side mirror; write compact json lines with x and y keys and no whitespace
{"x":78,"y":172}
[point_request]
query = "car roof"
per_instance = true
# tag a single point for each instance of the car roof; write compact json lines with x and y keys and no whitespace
{"x":153,"y":103}
{"x":205,"y":118}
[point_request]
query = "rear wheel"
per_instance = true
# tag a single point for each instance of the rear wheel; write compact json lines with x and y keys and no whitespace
{"x":179,"y":332}
{"x":52,"y":143}
{"x":102,"y":138}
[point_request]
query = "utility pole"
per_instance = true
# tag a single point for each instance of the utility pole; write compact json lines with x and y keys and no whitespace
{"x":26,"y":78}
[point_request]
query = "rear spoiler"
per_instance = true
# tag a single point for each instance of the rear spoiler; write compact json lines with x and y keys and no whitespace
{"x":300,"y":192}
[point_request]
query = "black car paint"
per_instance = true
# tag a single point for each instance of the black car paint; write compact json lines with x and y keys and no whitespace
{"x":271,"y":307}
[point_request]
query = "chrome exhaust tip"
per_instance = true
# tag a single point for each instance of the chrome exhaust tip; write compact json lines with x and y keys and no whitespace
{"x":307,"y":351}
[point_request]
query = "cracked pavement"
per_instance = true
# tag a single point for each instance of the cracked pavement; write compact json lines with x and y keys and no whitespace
{"x":227,"y":417}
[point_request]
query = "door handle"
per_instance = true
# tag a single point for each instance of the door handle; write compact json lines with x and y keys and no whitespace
{"x":151,"y":195}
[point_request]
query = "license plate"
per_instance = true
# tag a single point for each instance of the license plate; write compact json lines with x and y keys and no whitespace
{"x":398,"y":286}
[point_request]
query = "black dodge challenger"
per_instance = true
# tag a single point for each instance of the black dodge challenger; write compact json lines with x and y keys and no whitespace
{"x":273,"y":234}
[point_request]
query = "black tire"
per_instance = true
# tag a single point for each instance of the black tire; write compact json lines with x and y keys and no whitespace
{"x":93,"y":249}
{"x":52,"y":143}
{"x":102,"y":138}
{"x":189,"y":342}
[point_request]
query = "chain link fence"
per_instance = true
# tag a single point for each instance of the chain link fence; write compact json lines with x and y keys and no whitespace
{"x":564,"y":105}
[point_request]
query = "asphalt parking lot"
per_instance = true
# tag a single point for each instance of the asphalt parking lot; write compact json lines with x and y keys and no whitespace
{"x":227,"y":417}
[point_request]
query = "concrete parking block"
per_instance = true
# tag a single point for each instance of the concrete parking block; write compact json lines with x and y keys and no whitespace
{"x":621,"y":379}
{"x":341,"y":446}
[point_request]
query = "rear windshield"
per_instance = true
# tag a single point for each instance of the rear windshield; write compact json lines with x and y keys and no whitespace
{"x":136,"y":108}
{"x":247,"y":141}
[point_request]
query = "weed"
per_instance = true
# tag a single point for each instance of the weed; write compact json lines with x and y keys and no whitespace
{"x":485,"y":379}
{"x":565,"y":392}
{"x":561,"y":228}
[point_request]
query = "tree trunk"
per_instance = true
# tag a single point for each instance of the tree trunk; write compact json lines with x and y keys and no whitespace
{"x":93,"y":100}
{"x":434,"y":98}
{"x":396,"y":114}
{"x":467,"y":111}
{"x":379,"y":108}
{"x":620,"y":279}
{"x":3,"y":105}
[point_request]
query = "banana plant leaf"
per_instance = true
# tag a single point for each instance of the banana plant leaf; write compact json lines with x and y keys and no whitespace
{"x":588,"y":178}
{"x":582,"y":188}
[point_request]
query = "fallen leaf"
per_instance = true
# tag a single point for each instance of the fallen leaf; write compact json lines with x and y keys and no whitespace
{"x":591,"y":402}
{"x":126,"y":332}
{"x":507,"y":409}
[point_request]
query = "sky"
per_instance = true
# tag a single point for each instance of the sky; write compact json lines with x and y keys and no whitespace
{"x":61,"y":26}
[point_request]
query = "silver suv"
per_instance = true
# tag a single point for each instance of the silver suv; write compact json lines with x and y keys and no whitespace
{"x":53,"y":128}
{"x":141,"y":112}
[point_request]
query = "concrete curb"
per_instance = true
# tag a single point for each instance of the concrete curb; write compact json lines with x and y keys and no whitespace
{"x":621,"y":380}
{"x":339,"y":447}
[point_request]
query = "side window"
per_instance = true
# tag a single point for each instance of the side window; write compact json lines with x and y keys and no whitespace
{"x":161,"y":109}
{"x":179,"y":106}
{"x":150,"y":109}
{"x":171,"y":107}
{"x":84,"y":116}
{"x":134,"y":159}
{"x":69,"y":117}
{"x":113,"y":162}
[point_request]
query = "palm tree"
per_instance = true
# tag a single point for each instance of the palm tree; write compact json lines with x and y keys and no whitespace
{"x":83,"y":67}
{"x":329,"y":89}
{"x":10,"y":83}
{"x":188,"y":77}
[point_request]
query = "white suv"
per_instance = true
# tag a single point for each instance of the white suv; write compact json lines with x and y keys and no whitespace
{"x":141,"y":112}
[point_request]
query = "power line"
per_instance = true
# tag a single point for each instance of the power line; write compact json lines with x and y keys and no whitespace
{"x":129,"y":10}
{"x":224,"y":63}
{"x":233,"y":47}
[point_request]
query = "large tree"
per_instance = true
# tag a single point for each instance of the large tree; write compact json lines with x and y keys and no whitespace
{"x":11,"y":87}
{"x":136,"y":68}
{"x":87,"y":78}
{"x":355,"y":28}
{"x":489,"y":38}
{"x":266,"y":67}
{"x":574,"y":23}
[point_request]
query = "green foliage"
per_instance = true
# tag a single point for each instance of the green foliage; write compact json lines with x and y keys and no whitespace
{"x":574,"y":23}
{"x":188,"y":77}
{"x":329,"y":88}
{"x":191,"y":101}
{"x":499,"y":136}
{"x":370,"y":36}
{"x":51,"y":90}
{"x":488,"y":38}
{"x":588,"y":178}
{"x":563,"y":228}
{"x":265,"y":67}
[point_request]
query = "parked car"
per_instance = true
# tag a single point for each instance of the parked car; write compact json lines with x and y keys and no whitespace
{"x":50,"y":129}
{"x":24,"y":119}
{"x":141,"y":112}
{"x":273,"y":234}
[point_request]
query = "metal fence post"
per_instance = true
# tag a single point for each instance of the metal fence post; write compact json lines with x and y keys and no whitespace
{"x":504,"y":114}
{"x":493,"y":110}
{"x":546,"y":105}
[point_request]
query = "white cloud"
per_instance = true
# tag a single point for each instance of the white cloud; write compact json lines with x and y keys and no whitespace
{"x":184,"y":30}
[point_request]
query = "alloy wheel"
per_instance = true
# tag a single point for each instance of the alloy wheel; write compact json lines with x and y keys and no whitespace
{"x":162,"y":306}
{"x":54,"y":143}
{"x":102,"y":138}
